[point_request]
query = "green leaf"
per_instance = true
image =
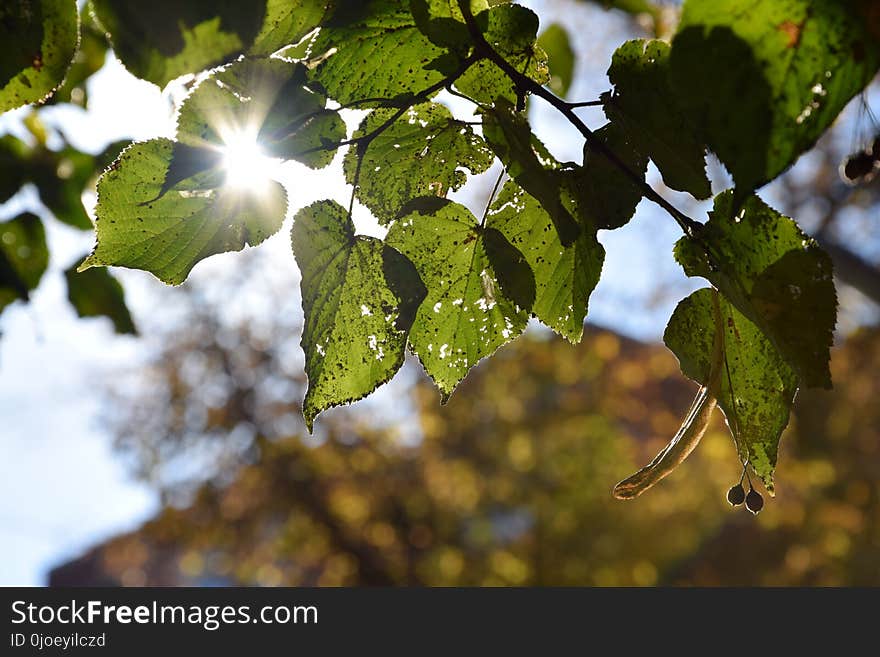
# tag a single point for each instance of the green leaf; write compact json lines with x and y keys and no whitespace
{"x":23,"y":257}
{"x":61,"y":178}
{"x":14,"y":165}
{"x":775,"y":275}
{"x":529,"y":163}
{"x":95,"y":293}
{"x":424,"y":152}
{"x":512,"y":270}
{"x":443,"y":23}
{"x":763,"y":80}
{"x":465,"y":316}
{"x":605,"y":196}
{"x":645,"y":107}
{"x":359,"y":299}
{"x":511,"y":30}
{"x":756,"y":386}
{"x":266,"y":101}
{"x":160,"y":40}
{"x":560,"y":58}
{"x":39,"y":40}
{"x":167,"y":234}
{"x":374,"y":50}
{"x":564,"y":277}
{"x":286,"y":23}
{"x":88,"y":60}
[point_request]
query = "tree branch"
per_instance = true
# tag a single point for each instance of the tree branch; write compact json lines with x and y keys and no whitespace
{"x":586,"y":103}
{"x":364,"y":140}
{"x":690,"y":227}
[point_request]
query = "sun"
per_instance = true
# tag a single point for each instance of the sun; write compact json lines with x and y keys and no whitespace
{"x":247,"y":166}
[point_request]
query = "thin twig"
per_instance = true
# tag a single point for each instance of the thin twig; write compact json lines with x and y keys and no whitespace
{"x":492,"y":198}
{"x":364,"y":140}
{"x":456,"y":92}
{"x":690,"y":227}
{"x":356,"y":181}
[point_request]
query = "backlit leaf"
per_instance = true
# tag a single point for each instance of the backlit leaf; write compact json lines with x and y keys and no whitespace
{"x":564,"y":277}
{"x":763,"y":80}
{"x":511,"y":31}
{"x":756,"y":386}
{"x":530,"y":164}
{"x":647,"y":110}
{"x":374,"y":50}
{"x":466,"y":315}
{"x":160,"y":40}
{"x":39,"y":39}
{"x":775,"y":275}
{"x":286,"y":22}
{"x":605,"y":196}
{"x":167,"y":234}
{"x":267,"y":102}
{"x":359,"y":299}
{"x":443,"y":23}
{"x":424,"y":152}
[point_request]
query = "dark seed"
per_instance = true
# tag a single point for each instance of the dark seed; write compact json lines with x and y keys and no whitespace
{"x":736,"y":495}
{"x":754,"y":501}
{"x":858,"y":166}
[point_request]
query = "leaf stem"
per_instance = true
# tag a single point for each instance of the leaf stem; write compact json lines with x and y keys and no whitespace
{"x":455,"y":92}
{"x":492,"y":198}
{"x":356,"y":181}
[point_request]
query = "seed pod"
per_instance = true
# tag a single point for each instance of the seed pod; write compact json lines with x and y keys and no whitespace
{"x":754,"y":501}
{"x":670,"y":457}
{"x":736,"y":495}
{"x":688,"y":435}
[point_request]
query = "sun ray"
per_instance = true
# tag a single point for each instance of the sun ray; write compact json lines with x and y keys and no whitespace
{"x":247,"y":166}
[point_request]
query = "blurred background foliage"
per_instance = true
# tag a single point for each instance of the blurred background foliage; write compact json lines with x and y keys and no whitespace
{"x":43,"y":158}
{"x":508,"y":484}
